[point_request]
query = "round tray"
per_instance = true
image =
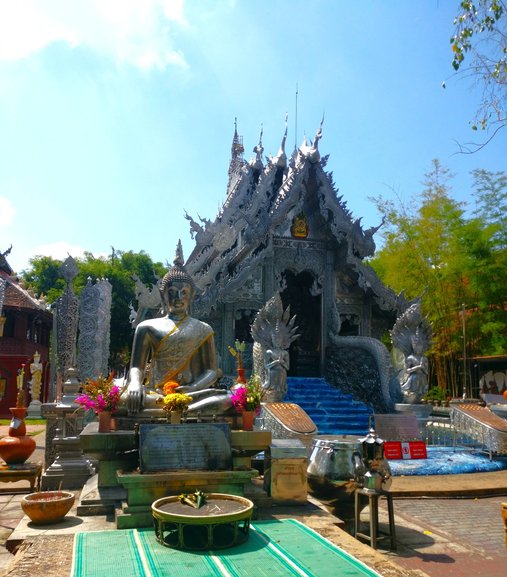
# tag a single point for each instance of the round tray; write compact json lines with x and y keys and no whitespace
{"x":223,"y":521}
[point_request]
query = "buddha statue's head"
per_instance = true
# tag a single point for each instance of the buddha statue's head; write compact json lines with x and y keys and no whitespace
{"x":177,"y":288}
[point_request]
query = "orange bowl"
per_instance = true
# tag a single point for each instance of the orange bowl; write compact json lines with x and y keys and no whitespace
{"x":47,"y":506}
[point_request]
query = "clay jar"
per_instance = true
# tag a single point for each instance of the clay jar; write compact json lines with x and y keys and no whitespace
{"x":47,"y":506}
{"x":16,"y":448}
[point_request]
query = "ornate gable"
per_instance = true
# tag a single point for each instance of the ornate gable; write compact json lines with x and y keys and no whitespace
{"x":293,"y":205}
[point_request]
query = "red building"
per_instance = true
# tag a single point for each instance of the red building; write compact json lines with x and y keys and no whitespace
{"x":25,"y":327}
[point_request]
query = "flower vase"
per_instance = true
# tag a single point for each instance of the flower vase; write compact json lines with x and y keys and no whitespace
{"x":104,"y":422}
{"x":175,"y":417}
{"x":248,"y":418}
{"x":17,"y":447}
{"x":241,"y":380}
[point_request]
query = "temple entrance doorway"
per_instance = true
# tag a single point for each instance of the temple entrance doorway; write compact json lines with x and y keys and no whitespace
{"x":305,"y":350}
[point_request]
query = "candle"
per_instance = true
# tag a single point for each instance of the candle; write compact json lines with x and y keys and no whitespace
{"x":21,"y":375}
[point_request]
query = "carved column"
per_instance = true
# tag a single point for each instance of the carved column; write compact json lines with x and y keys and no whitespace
{"x":66,"y":321}
{"x":94,"y":335}
{"x":69,"y":469}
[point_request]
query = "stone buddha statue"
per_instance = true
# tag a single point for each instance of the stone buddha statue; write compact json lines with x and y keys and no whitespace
{"x":178,"y":348}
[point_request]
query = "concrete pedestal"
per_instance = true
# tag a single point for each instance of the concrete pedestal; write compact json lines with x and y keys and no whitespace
{"x":118,"y":479}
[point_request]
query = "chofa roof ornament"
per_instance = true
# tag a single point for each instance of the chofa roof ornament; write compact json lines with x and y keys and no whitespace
{"x":312,"y":152}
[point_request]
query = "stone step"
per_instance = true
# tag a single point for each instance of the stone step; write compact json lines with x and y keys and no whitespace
{"x":332,"y":411}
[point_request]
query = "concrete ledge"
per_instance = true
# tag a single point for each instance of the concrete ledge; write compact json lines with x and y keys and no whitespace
{"x":464,"y":485}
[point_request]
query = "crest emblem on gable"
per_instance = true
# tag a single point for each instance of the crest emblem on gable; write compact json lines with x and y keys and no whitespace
{"x":299,"y":228}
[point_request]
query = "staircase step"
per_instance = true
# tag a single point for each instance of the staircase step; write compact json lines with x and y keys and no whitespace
{"x":332,"y":411}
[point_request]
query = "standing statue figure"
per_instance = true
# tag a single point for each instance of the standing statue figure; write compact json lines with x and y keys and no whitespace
{"x":36,"y":373}
{"x":178,"y":348}
{"x":273,"y":331}
{"x":411,"y":334}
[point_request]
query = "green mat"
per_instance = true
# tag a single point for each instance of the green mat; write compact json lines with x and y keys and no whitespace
{"x":274,"y":549}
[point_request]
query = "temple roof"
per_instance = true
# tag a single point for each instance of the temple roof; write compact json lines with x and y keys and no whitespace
{"x":18,"y":298}
{"x":261,"y":203}
{"x":12,"y":293}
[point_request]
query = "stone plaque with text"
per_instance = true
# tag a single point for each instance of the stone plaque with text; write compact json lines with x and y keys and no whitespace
{"x":194,"y":446}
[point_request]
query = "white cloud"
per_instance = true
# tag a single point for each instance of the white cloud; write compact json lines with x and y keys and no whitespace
{"x":58,"y":250}
{"x":136,"y":32}
{"x":7,"y":212}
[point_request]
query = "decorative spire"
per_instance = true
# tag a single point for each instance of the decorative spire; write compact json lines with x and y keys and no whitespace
{"x":237,"y":161}
{"x":258,"y":149}
{"x":281,"y":158}
{"x":237,"y":148}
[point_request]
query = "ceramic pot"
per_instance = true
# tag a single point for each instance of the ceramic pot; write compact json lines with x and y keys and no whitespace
{"x":17,"y":447}
{"x":104,"y":422}
{"x":248,"y":420}
{"x":241,"y":380}
{"x":47,"y":506}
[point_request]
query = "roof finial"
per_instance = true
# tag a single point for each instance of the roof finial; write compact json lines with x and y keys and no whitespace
{"x":178,"y":257}
{"x":237,"y":142}
{"x":296,"y":121}
{"x":281,"y":157}
{"x":259,"y":148}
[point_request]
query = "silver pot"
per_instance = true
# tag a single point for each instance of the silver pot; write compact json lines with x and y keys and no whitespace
{"x":331,"y":464}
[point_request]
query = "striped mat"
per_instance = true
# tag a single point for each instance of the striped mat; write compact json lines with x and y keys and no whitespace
{"x":273,"y":549}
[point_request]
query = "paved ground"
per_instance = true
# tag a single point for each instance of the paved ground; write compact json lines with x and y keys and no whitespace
{"x":455,"y":537}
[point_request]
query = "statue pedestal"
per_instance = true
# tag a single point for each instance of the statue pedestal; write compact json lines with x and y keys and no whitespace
{"x":119,"y":487}
{"x":421,"y":412}
{"x":34,"y":410}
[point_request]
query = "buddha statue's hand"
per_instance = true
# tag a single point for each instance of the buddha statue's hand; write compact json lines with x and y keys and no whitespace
{"x":134,"y":401}
{"x":135,"y":392}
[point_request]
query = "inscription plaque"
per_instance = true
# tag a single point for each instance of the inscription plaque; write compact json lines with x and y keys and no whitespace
{"x":194,"y":446}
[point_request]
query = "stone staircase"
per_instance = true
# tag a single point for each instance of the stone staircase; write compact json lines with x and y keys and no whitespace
{"x":334,"y":412}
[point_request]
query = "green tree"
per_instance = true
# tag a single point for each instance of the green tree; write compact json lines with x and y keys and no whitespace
{"x":433,"y":250}
{"x":479,"y":47}
{"x":44,"y":277}
{"x":491,"y":201}
{"x":485,"y":241}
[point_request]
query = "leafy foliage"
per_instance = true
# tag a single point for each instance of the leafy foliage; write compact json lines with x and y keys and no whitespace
{"x":432,"y":249}
{"x":480,"y":37}
{"x":44,"y":277}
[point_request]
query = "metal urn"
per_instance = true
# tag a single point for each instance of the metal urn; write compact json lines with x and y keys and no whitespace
{"x":371,"y":469}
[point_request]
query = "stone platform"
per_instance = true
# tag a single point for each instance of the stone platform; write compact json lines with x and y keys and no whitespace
{"x":120,"y":488}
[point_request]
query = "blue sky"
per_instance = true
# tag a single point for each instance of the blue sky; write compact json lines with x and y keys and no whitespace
{"x":117,"y":117}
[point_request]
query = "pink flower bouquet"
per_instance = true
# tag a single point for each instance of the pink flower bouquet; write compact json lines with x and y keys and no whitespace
{"x":100,"y":395}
